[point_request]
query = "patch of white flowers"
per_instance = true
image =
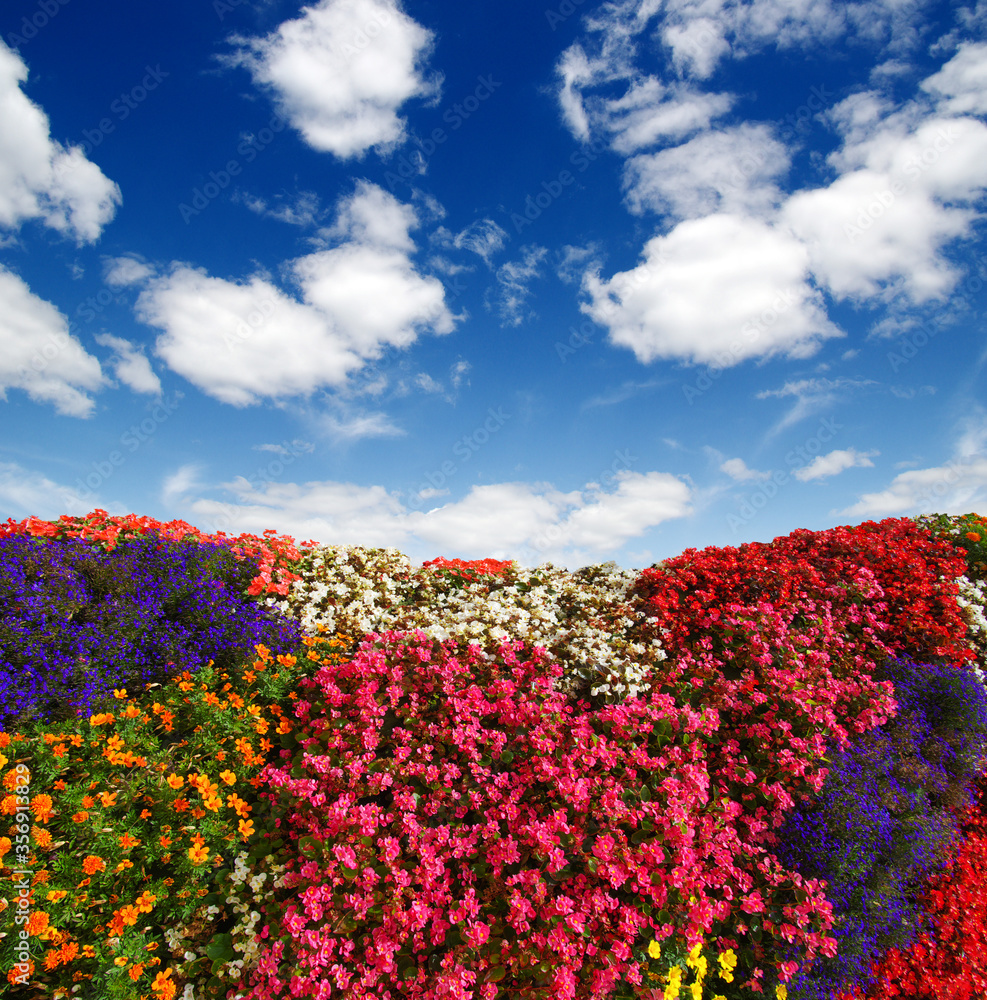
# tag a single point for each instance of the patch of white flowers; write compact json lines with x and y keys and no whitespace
{"x":972,"y":599}
{"x":247,"y":907}
{"x":586,"y":620}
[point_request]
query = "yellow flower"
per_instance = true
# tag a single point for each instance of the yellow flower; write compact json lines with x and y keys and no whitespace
{"x":119,"y":692}
{"x":781,"y":992}
{"x":654,"y":949}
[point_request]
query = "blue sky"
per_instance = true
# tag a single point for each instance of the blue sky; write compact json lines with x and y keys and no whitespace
{"x":567,"y":283}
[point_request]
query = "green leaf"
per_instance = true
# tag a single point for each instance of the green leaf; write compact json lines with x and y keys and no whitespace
{"x":221,"y":949}
{"x":507,"y":756}
{"x":496,"y":974}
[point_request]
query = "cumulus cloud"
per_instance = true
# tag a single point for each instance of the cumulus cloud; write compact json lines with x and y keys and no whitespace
{"x":906,"y":190}
{"x":719,"y":289}
{"x":532,"y":522}
{"x":121,"y":272}
{"x":130,"y":364}
{"x":736,"y":468}
{"x":832,"y":464}
{"x":243,"y":341}
{"x":341,"y":71}
{"x":39,"y":356}
{"x":39,"y":177}
{"x":961,"y":84}
{"x":33,"y":494}
{"x":731,"y":170}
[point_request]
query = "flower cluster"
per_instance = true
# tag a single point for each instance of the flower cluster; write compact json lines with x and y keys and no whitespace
{"x":453,"y":823}
{"x":587,"y":621}
{"x":883,"y":820}
{"x":149,"y":798}
{"x":274,"y":553}
{"x":77,"y":622}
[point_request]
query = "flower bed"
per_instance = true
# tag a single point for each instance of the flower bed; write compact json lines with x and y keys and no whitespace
{"x":473,"y":779}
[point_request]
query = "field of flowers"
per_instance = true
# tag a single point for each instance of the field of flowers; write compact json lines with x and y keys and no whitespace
{"x":250,"y":768}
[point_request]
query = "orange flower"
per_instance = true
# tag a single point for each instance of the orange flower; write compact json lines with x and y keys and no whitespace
{"x":17,"y":971}
{"x":80,"y":817}
{"x":37,"y":923}
{"x":93,"y":863}
{"x":973,"y":536}
{"x":4,"y":741}
{"x":228,"y":776}
{"x":5,"y":846}
{"x":164,"y":841}
{"x":162,"y":984}
{"x":41,"y":806}
{"x":126,"y":841}
{"x":175,"y":780}
{"x":41,"y":837}
{"x":59,"y":751}
{"x":121,"y":960}
{"x":55,"y":895}
{"x":88,"y":802}
{"x":108,"y":799}
{"x":8,"y":807}
{"x":145,"y":901}
{"x":120,"y":693}
{"x":246,"y":827}
{"x":198,"y":855}
{"x":135,"y":971}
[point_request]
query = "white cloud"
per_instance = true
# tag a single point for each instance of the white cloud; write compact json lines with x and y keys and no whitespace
{"x":483,"y":237}
{"x":38,"y":355}
{"x":652,"y":111}
{"x":35,"y":495}
{"x":39,"y":177}
{"x":130,"y":365}
{"x":811,"y":395}
{"x":736,"y":468}
{"x":243,"y":341}
{"x":341,"y":71}
{"x":513,"y":278}
{"x":302,"y":212}
{"x":530,"y":521}
{"x":962,"y":82}
{"x":719,"y":289}
{"x":731,"y":170}
{"x":957,"y":486}
{"x":907,"y":190}
{"x":823,"y":466}
{"x":120,"y":272}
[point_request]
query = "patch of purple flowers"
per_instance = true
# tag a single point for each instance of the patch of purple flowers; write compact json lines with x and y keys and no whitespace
{"x":77,"y":622}
{"x":885,"y":817}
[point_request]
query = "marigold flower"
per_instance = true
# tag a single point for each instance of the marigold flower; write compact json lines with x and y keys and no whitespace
{"x":973,"y":536}
{"x":5,"y":846}
{"x":126,"y":841}
{"x":37,"y":923}
{"x":55,"y":895}
{"x":108,"y":799}
{"x":228,"y":776}
{"x":135,"y":971}
{"x":246,"y":827}
{"x":93,"y":863}
{"x":80,"y":817}
{"x":198,"y":855}
{"x":121,"y":960}
{"x":162,"y":984}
